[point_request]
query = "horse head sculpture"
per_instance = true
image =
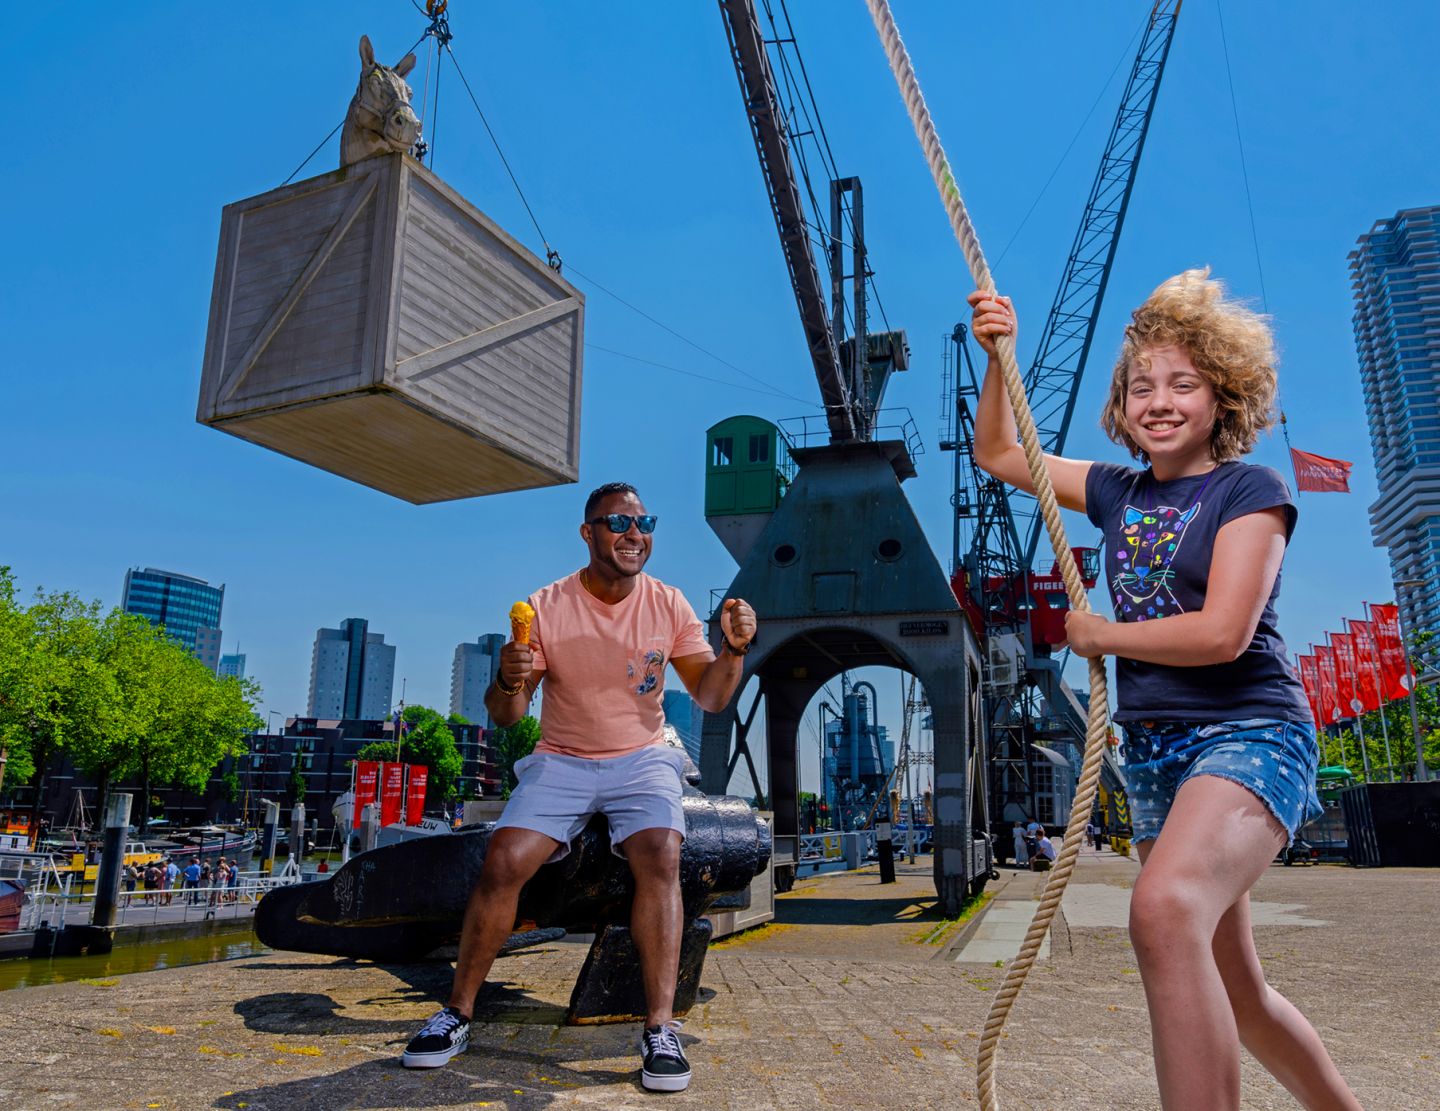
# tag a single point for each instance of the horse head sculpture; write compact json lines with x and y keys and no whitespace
{"x":380,"y":119}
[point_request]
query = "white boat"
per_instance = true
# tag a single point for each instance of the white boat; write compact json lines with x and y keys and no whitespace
{"x":210,"y":841}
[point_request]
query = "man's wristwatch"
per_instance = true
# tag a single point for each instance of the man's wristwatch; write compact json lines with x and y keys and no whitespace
{"x":730,"y":648}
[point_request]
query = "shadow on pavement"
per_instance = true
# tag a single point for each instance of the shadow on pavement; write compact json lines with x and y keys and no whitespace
{"x":801,"y":910}
{"x":516,"y":1081}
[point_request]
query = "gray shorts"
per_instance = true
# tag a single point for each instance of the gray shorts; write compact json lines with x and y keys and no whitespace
{"x":557,"y":795}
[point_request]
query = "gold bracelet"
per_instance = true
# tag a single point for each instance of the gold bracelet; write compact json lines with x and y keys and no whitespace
{"x":509,"y":692}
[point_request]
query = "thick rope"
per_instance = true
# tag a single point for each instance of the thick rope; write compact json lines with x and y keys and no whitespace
{"x":1098,"y":725}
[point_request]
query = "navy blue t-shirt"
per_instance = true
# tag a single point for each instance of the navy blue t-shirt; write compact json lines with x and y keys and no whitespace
{"x":1159,"y":539}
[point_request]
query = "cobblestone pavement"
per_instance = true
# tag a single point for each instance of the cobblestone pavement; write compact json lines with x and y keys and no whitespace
{"x":857,"y":999}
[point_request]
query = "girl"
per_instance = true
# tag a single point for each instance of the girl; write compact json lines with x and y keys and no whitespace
{"x":1220,"y":750}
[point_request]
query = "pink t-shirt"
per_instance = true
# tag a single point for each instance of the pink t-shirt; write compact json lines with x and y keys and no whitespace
{"x":605,"y":665}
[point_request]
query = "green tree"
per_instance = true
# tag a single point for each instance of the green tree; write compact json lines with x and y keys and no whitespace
{"x":428,"y":741}
{"x":16,"y":695}
{"x":295,"y":786}
{"x":512,"y":743}
{"x":64,"y":698}
{"x":112,"y":693}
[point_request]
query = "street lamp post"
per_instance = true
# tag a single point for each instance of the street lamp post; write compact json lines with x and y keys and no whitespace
{"x":1421,"y":772}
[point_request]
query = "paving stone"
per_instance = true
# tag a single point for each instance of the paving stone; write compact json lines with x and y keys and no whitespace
{"x":846,"y":1005}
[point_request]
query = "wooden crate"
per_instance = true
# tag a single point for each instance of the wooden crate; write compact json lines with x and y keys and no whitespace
{"x":375,"y":324}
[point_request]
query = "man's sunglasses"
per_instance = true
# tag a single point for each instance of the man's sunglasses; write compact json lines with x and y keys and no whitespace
{"x":619,"y":523}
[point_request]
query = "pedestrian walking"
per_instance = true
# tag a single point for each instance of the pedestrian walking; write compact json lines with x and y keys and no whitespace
{"x":1218,"y":733}
{"x":602,"y":641}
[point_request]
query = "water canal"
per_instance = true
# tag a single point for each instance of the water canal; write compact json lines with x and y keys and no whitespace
{"x":123,"y":959}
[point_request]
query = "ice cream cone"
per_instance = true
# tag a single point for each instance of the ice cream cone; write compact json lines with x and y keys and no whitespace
{"x":521,"y":615}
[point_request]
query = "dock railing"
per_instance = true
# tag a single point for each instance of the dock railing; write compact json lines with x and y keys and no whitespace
{"x":51,"y":902}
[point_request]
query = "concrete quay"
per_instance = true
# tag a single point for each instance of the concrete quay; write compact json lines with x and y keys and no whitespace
{"x":859,"y":997}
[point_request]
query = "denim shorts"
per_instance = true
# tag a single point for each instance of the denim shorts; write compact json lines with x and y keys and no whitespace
{"x":1274,"y":760}
{"x":557,"y":795}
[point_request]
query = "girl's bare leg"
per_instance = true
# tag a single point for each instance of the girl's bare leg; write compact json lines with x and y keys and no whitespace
{"x":1270,"y":1026}
{"x":1218,"y":839}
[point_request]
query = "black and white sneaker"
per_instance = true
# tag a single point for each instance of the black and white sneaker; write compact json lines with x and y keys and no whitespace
{"x":445,"y":1035}
{"x":665,"y":1068}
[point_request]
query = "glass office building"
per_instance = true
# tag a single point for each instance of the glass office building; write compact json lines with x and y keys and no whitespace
{"x":1395,"y":275}
{"x":187,"y":607}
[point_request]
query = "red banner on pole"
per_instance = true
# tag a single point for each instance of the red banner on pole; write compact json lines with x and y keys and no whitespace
{"x":415,"y":794}
{"x":1394,"y":667}
{"x":1310,"y":680}
{"x":1344,"y":649}
{"x":1329,"y":699}
{"x":1318,"y":474}
{"x":1367,"y":667}
{"x":367,"y":778}
{"x":392,"y":792}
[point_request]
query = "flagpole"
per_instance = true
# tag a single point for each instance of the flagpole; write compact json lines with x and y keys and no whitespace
{"x":1290,"y":451}
{"x":1359,"y":730}
{"x":399,"y":717}
{"x":1375,"y":669}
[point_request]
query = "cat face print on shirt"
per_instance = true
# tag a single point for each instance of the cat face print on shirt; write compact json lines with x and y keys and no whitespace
{"x":1149,"y":539}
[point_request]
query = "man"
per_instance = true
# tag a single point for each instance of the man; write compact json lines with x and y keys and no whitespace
{"x":601,"y":642}
{"x":192,"y":878}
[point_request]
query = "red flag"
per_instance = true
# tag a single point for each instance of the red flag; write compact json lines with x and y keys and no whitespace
{"x":1367,"y":667}
{"x":1329,"y":700}
{"x":392,"y":792}
{"x":1394,"y":667}
{"x":1310,"y":679}
{"x":367,"y":776}
{"x":415,"y":794}
{"x":1318,"y":474}
{"x":1344,"y":649}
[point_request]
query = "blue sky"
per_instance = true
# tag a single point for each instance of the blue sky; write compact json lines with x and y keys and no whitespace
{"x":624,"y":125}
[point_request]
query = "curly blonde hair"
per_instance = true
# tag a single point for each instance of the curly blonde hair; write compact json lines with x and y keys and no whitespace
{"x":1231,"y":346}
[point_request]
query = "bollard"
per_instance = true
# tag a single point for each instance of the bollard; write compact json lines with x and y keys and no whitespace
{"x":885,"y":847}
{"x":297,"y":834}
{"x":268,"y":837}
{"x":112,"y":859}
{"x":369,"y":827}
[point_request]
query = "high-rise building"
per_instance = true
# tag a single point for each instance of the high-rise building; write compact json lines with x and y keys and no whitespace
{"x":187,"y":607}
{"x":475,"y":666}
{"x":682,"y":712}
{"x":352,"y":673}
{"x":233,"y":665}
{"x":1395,"y":275}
